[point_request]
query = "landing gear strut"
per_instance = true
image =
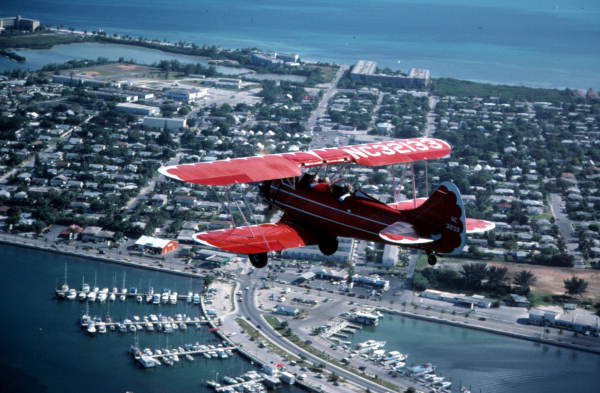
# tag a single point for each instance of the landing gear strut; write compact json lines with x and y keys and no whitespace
{"x":328,"y":246}
{"x":258,"y":260}
{"x":431,"y":258}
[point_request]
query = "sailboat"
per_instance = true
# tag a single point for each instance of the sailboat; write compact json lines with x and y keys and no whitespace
{"x":64,"y":288}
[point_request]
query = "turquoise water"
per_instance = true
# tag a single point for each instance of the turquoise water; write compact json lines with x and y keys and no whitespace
{"x":37,"y":58}
{"x":44,"y":350}
{"x":538,"y":43}
{"x":487,"y":362}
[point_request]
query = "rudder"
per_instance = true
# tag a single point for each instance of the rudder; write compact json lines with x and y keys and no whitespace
{"x":442,"y":218}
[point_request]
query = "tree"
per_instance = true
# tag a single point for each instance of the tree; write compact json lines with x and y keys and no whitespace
{"x":473,"y":274}
{"x":496,"y":276}
{"x":524,"y":279}
{"x":575,"y":286}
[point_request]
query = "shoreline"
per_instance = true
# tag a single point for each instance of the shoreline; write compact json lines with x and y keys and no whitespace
{"x":123,"y":262}
{"x":79,"y":37}
{"x":488,"y":330}
{"x":99,"y":258}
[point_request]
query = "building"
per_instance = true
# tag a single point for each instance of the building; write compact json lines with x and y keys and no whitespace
{"x":458,"y":299}
{"x":165,"y":123}
{"x":70,"y":80}
{"x":364,"y":318}
{"x":224,"y":83}
{"x":265,"y":60}
{"x":577,"y":320}
{"x":371,"y":282}
{"x":390,"y":255}
{"x":137,"y":109}
{"x":96,"y":234}
{"x":185,"y":95}
{"x":18,"y":23}
{"x":282,"y":309}
{"x":518,"y":301}
{"x":154,"y":245}
{"x":366,"y":71}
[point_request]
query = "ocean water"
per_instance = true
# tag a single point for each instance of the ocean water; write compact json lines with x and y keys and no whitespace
{"x":43,"y":348}
{"x":536,"y":43}
{"x":487,"y":362}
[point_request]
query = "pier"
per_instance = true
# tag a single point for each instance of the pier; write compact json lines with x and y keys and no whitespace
{"x":149,"y":358}
{"x":158,"y":323}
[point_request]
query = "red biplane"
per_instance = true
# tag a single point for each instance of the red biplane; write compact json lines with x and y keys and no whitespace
{"x":317,"y":211}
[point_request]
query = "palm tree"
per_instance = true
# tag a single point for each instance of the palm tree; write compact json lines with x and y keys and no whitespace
{"x":524,"y":279}
{"x":575,"y":286}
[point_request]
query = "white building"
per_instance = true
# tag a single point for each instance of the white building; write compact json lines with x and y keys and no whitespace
{"x":186,"y":95}
{"x":137,"y":109}
{"x":165,"y":123}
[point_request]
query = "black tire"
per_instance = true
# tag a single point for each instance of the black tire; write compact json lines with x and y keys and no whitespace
{"x":328,"y":246}
{"x":258,"y":260}
{"x":431,"y":259}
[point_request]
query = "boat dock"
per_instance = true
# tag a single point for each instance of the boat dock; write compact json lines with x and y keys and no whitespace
{"x":157,"y":323}
{"x":227,"y":388}
{"x":152,"y":358}
{"x":102,"y":295}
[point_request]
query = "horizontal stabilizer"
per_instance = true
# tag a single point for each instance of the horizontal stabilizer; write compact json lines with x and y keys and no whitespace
{"x":256,"y":239}
{"x":278,"y":166}
{"x":479,"y":226}
{"x":402,"y":233}
{"x":474,"y":225}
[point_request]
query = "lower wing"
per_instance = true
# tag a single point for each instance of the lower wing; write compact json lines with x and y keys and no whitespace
{"x":256,"y":239}
{"x":473,"y":225}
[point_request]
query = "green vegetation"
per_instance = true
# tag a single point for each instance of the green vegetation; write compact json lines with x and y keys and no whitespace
{"x":42,"y":40}
{"x":575,"y":286}
{"x":456,"y":87}
{"x":12,"y":55}
{"x":473,"y":277}
{"x":523,"y":280}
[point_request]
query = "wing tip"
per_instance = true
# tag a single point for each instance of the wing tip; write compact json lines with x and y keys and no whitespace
{"x":164,"y":170}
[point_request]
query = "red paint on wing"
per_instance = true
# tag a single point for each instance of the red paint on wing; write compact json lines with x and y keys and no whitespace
{"x":278,"y":166}
{"x":258,"y":238}
{"x":478,"y":226}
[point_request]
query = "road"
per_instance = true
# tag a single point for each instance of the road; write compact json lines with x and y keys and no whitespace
{"x":131,"y":203}
{"x":565,"y":226}
{"x":248,"y":309}
{"x":430,"y":125}
{"x":330,"y":92}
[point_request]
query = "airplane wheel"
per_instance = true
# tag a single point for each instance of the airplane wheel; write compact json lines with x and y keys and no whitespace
{"x":328,"y":246}
{"x":258,"y":260}
{"x":431,"y":259}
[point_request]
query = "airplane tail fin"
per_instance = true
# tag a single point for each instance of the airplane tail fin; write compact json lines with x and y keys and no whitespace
{"x":442,"y":219}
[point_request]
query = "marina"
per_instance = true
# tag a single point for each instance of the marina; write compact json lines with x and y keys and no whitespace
{"x":150,"y":323}
{"x":101,"y":295}
{"x":148,"y":358}
{"x":42,"y":340}
{"x":249,"y":382}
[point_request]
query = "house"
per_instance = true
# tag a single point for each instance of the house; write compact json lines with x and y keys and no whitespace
{"x":154,"y":245}
{"x":518,"y":301}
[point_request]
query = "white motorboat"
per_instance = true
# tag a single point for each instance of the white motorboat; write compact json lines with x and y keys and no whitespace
{"x":71,"y":294}
{"x":173,"y":298}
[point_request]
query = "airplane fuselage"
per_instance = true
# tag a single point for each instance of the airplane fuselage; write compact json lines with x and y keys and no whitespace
{"x":328,"y":214}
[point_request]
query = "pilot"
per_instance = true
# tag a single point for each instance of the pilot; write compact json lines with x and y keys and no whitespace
{"x":321,"y":184}
{"x":341,"y":192}
{"x":306,"y":181}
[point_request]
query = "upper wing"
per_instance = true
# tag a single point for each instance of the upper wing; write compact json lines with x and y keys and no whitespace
{"x":255,"y":239}
{"x":474,"y":225}
{"x":277,"y":166}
